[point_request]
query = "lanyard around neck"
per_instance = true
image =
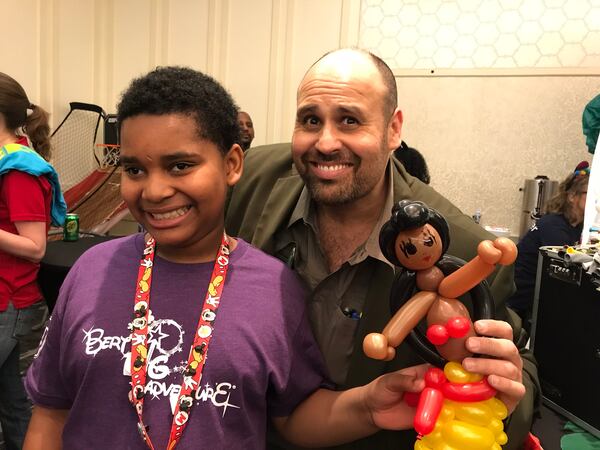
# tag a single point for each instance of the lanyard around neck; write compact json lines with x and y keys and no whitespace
{"x":197,"y":357}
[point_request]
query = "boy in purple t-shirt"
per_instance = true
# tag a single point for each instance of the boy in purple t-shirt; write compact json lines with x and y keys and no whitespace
{"x":118,"y":368}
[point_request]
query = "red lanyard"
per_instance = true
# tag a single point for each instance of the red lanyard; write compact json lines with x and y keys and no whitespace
{"x":197,"y":358}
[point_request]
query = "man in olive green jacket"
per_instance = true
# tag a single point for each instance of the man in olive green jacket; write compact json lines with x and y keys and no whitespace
{"x":281,"y":206}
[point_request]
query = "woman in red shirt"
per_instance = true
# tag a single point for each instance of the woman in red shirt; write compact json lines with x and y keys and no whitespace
{"x":25,"y":212}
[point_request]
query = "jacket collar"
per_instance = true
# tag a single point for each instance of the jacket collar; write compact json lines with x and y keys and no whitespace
{"x":276,"y":212}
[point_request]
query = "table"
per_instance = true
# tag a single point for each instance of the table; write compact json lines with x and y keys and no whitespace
{"x":60,"y":257}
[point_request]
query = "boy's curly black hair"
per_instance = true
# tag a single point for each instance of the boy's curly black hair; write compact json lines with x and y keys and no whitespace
{"x":181,"y":90}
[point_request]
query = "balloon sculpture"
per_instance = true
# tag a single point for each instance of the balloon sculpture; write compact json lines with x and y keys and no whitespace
{"x":458,"y":409}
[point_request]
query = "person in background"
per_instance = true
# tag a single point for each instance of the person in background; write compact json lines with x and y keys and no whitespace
{"x":29,"y":191}
{"x":320,"y":207}
{"x":413,"y":162}
{"x":562,"y":225}
{"x":246,"y":130}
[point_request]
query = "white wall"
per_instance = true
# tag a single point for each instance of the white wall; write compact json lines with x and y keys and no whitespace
{"x":89,"y":50}
{"x":493,"y":90}
{"x":482,"y":132}
{"x":483,"y":136}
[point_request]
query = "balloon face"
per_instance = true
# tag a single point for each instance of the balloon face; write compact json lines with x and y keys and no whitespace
{"x":419,"y":248}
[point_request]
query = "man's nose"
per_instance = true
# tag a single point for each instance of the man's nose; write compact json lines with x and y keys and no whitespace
{"x":328,"y":139}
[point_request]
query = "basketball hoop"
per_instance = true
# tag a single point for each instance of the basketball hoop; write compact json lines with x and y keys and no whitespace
{"x":108,"y":155}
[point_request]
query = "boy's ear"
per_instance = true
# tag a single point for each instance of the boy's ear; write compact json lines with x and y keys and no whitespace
{"x":234,"y":164}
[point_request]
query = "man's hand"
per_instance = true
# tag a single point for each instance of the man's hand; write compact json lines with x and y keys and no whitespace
{"x":501,"y":360}
{"x":383,"y":397}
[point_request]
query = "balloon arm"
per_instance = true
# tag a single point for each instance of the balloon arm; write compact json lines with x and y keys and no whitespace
{"x":508,"y":249}
{"x":501,"y":251}
{"x":465,"y":278}
{"x":408,"y":316}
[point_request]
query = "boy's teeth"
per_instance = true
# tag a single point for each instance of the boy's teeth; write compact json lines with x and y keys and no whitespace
{"x":171,"y":214}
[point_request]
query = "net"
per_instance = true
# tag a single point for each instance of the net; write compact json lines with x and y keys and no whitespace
{"x":107,"y":155}
{"x":73,"y":144}
{"x":88,"y":172}
{"x":101,"y":208}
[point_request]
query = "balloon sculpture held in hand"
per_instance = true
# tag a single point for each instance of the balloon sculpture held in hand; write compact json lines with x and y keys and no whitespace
{"x":457,"y":409}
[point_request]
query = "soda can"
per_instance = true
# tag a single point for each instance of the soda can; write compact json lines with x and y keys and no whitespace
{"x":71,"y":228}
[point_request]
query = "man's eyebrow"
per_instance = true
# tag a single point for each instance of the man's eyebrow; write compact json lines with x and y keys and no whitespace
{"x":340,"y":109}
{"x":345,"y":109}
{"x":305,"y":110}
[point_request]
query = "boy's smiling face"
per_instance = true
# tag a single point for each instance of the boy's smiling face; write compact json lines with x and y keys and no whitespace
{"x":175,"y":183}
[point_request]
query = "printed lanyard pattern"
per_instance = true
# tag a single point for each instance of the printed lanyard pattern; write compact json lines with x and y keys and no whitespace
{"x":192,"y":374}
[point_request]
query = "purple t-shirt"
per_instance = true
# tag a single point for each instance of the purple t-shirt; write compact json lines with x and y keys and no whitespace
{"x":262,"y":360}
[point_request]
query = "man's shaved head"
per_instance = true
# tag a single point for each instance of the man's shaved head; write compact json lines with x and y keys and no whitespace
{"x":345,"y":60}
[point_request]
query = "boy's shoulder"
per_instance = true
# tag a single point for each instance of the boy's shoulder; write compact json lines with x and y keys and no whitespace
{"x":268,"y":281}
{"x":257,"y":260}
{"x":248,"y":252}
{"x":120,"y":247}
{"x":114,"y":254}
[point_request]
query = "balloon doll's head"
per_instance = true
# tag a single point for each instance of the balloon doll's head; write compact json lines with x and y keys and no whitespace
{"x":415,"y":237}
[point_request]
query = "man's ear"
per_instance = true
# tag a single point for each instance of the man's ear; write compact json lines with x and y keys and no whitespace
{"x":234,"y":164}
{"x":395,"y":130}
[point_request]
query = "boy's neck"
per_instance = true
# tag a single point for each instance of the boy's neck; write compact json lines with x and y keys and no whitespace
{"x":203,"y":251}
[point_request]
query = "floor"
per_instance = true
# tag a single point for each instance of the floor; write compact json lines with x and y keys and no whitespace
{"x":548,"y":428}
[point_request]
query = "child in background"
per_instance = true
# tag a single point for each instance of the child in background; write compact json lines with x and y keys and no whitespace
{"x":29,"y":197}
{"x":122,"y":363}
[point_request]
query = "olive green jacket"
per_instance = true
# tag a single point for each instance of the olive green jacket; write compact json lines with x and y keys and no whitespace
{"x":261,"y":204}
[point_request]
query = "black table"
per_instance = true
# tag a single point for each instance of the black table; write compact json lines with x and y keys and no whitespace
{"x":60,"y":257}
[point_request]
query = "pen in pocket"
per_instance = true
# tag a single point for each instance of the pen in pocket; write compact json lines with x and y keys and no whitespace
{"x":351,"y":313}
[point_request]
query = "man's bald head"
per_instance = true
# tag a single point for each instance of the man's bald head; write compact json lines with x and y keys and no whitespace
{"x":347,"y":61}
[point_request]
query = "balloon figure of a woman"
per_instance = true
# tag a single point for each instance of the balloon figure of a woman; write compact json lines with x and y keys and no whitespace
{"x":457,"y":409}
